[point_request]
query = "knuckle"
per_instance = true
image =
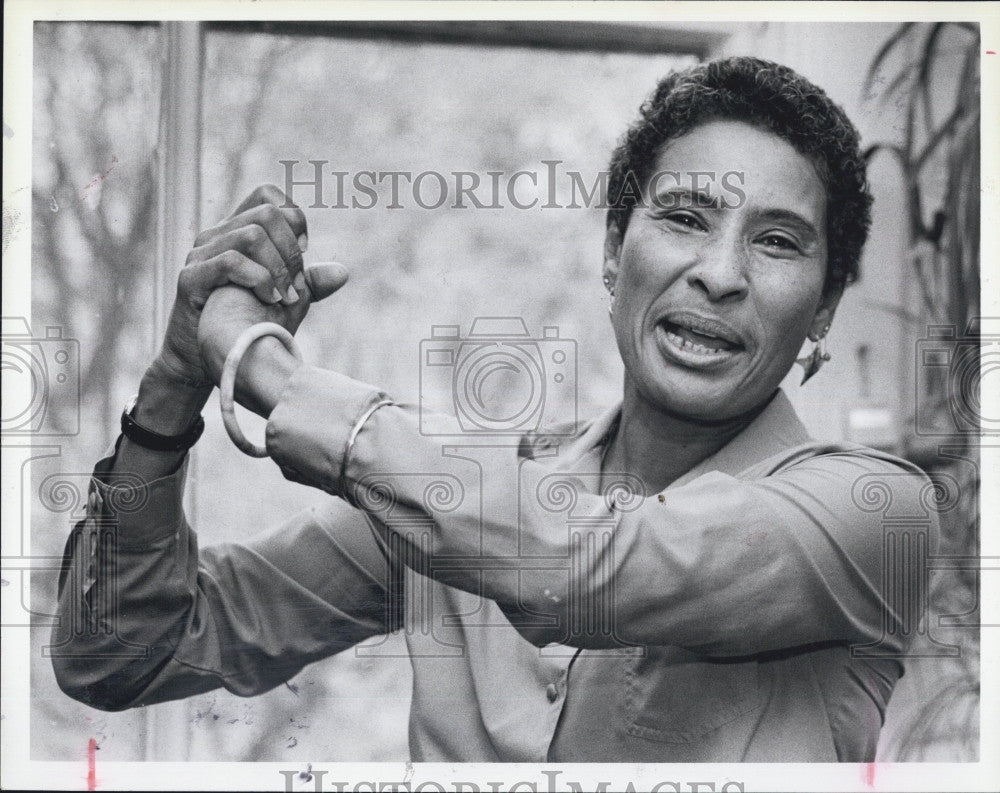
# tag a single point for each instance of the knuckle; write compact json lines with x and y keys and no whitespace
{"x":269,"y":213}
{"x":254,"y":235}
{"x":231,"y":259}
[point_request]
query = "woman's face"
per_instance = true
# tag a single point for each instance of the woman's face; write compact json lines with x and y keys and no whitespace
{"x":719,"y":277}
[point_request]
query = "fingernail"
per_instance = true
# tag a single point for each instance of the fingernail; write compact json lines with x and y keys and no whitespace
{"x":299,"y":281}
{"x":276,"y":297}
{"x":303,"y":241}
{"x":293,"y":296}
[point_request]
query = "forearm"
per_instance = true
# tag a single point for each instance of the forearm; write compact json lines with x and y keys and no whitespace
{"x":145,"y":617}
{"x":722,"y":565}
{"x":264,"y":371}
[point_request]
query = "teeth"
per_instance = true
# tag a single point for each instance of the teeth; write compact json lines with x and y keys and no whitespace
{"x":684,"y":344}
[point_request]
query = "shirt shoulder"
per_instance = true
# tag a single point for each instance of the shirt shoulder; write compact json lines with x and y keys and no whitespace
{"x":834,"y":455}
{"x":845,"y":479}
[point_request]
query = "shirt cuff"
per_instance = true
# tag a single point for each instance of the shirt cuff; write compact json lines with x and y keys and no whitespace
{"x":309,"y":429}
{"x":144,"y":512}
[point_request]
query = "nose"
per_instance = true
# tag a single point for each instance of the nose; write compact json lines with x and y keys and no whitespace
{"x":719,"y":270}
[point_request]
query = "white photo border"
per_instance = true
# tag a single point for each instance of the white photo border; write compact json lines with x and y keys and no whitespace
{"x":19,"y":771}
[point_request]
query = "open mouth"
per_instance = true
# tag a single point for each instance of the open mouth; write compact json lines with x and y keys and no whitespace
{"x":697,"y":337}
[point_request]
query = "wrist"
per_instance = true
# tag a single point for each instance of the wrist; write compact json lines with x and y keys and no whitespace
{"x":167,"y":403}
{"x":171,"y":368}
{"x":264,"y":371}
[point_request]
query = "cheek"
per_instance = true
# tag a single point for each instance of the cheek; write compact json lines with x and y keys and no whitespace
{"x":787,"y":310}
{"x":648,"y":268}
{"x":636,"y":287}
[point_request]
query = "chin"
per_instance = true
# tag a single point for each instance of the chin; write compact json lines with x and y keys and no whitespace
{"x":704,"y":397}
{"x":699,"y":404}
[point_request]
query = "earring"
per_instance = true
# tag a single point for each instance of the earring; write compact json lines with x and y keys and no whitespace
{"x":611,"y":299}
{"x":812,"y":362}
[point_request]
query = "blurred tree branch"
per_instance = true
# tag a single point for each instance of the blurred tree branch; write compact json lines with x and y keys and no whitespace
{"x":118,"y":247}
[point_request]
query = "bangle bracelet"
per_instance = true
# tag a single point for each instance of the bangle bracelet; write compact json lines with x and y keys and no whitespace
{"x":350,"y":443}
{"x":227,"y":384}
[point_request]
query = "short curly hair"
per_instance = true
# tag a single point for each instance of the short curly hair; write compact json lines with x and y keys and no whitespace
{"x":775,"y":98}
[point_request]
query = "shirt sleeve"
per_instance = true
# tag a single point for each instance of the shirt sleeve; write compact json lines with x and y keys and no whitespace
{"x":144,"y":616}
{"x":723,"y":566}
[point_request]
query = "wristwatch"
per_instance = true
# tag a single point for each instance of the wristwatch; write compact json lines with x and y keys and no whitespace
{"x":149,"y":439}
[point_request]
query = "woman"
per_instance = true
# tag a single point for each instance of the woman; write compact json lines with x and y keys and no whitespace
{"x":691,"y":578}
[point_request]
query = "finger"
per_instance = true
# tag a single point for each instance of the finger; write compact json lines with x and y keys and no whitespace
{"x":269,"y":194}
{"x":230,"y":267}
{"x":325,"y":278}
{"x":252,"y":241}
{"x":275,"y":221}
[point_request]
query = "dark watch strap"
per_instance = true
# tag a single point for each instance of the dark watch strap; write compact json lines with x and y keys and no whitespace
{"x":148,"y":439}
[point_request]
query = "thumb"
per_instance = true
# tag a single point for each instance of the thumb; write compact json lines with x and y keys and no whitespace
{"x":325,"y":278}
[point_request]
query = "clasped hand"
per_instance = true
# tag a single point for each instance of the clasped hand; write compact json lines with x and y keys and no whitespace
{"x":247,"y":269}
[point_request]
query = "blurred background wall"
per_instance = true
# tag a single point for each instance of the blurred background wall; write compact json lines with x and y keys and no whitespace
{"x":419,"y":100}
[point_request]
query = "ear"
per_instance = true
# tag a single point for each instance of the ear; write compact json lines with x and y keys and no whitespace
{"x":824,"y":314}
{"x":612,"y":252}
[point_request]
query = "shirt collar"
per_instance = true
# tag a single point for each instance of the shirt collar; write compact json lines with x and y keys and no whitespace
{"x":776,"y":428}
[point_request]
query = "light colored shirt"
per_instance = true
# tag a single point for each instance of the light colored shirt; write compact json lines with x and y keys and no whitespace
{"x":746,"y":613}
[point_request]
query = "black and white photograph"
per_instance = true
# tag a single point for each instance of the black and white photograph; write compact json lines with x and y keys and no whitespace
{"x":500,"y":397}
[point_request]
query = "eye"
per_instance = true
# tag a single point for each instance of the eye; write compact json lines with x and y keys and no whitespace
{"x":779,"y":242}
{"x":686,"y":219}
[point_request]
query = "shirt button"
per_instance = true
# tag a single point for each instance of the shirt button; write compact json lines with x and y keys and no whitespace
{"x":552,"y":692}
